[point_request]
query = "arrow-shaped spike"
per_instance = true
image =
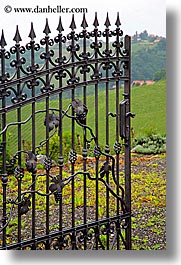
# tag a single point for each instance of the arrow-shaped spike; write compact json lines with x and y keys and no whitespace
{"x":2,"y":40}
{"x":17,"y":36}
{"x":118,"y":23}
{"x":72,"y":25}
{"x":60,"y":27}
{"x":96,"y":23}
{"x":32,"y":34}
{"x":47,"y":28}
{"x":84,"y":22}
{"x":107,"y":23}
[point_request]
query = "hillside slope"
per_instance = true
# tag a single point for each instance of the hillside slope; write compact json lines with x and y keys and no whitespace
{"x":148,"y":59}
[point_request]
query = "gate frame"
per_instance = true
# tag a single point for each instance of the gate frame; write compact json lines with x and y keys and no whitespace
{"x":20,"y":100}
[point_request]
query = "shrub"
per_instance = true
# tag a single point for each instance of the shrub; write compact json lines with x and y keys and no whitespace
{"x":152,"y":144}
{"x":54,"y":149}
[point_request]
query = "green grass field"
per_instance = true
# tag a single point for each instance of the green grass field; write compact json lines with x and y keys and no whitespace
{"x":147,"y":102}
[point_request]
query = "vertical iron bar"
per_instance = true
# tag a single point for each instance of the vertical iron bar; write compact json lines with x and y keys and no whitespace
{"x":127,"y":145}
{"x":19,"y":141}
{"x":4,"y":173}
{"x":85,"y":147}
{"x":60,"y":155}
{"x":60,"y":139}
{"x":60,"y":132}
{"x":73,"y":183}
{"x":97,"y":131}
{"x":32,"y":42}
{"x":47,"y":144}
{"x":117,"y":130}
{"x":73,"y":140}
{"x":107,"y":133}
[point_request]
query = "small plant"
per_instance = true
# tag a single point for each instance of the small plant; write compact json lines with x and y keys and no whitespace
{"x":150,"y":144}
{"x":54,"y":148}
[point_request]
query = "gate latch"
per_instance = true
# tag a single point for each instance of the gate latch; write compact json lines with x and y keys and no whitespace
{"x":124,"y":133}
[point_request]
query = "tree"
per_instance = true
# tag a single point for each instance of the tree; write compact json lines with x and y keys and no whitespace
{"x":135,"y":37}
{"x":162,"y":44}
{"x":160,"y":75}
{"x":144,"y":35}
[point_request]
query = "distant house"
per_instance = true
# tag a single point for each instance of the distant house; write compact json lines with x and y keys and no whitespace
{"x":150,"y":82}
{"x":137,"y":83}
{"x":142,"y":82}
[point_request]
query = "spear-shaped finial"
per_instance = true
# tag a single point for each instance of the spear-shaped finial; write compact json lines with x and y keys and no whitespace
{"x":96,"y":23}
{"x":32,"y":34}
{"x":84,"y":22}
{"x":60,"y":27}
{"x":47,"y":28}
{"x":2,"y":40}
{"x":118,"y":23}
{"x":72,"y":25}
{"x":17,"y":36}
{"x":107,"y":22}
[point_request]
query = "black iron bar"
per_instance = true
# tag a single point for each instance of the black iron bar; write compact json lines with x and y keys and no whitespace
{"x":17,"y":39}
{"x":4,"y":173}
{"x":107,"y":32}
{"x":47,"y":31}
{"x":117,"y":125}
{"x":96,"y":24}
{"x":127,"y":145}
{"x":55,"y":69}
{"x":57,"y":91}
{"x":60,"y":129}
{"x":73,"y":26}
{"x":33,"y":132}
{"x":84,"y":151}
{"x":66,"y":231}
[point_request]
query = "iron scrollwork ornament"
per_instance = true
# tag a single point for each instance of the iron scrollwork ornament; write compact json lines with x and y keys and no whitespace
{"x":105,"y":169}
{"x":53,"y":121}
{"x":24,"y":205}
{"x":80,"y":109}
{"x":56,"y":188}
{"x":72,"y":156}
{"x":31,"y":161}
{"x":117,"y":147}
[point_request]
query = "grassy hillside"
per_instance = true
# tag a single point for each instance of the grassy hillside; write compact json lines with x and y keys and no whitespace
{"x":148,"y":103}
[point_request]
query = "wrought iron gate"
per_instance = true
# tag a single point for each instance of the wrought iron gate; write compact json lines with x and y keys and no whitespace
{"x":79,"y":83}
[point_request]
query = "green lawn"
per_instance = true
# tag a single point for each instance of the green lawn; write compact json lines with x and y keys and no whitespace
{"x":149,"y":104}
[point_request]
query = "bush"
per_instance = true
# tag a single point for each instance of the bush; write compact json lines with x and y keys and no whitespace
{"x":54,"y":149}
{"x":152,"y":144}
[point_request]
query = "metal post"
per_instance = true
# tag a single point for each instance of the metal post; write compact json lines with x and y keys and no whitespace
{"x":128,"y":144}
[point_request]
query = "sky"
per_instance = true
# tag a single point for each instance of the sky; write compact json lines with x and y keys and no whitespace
{"x":135,"y":15}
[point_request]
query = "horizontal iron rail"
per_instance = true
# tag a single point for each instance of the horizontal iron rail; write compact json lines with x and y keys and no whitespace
{"x":64,"y":232}
{"x":59,"y":67}
{"x":58,"y":90}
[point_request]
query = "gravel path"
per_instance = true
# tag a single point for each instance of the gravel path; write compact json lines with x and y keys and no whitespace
{"x":149,"y":223}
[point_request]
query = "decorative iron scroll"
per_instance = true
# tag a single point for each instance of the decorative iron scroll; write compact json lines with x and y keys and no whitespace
{"x":31,"y":76}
